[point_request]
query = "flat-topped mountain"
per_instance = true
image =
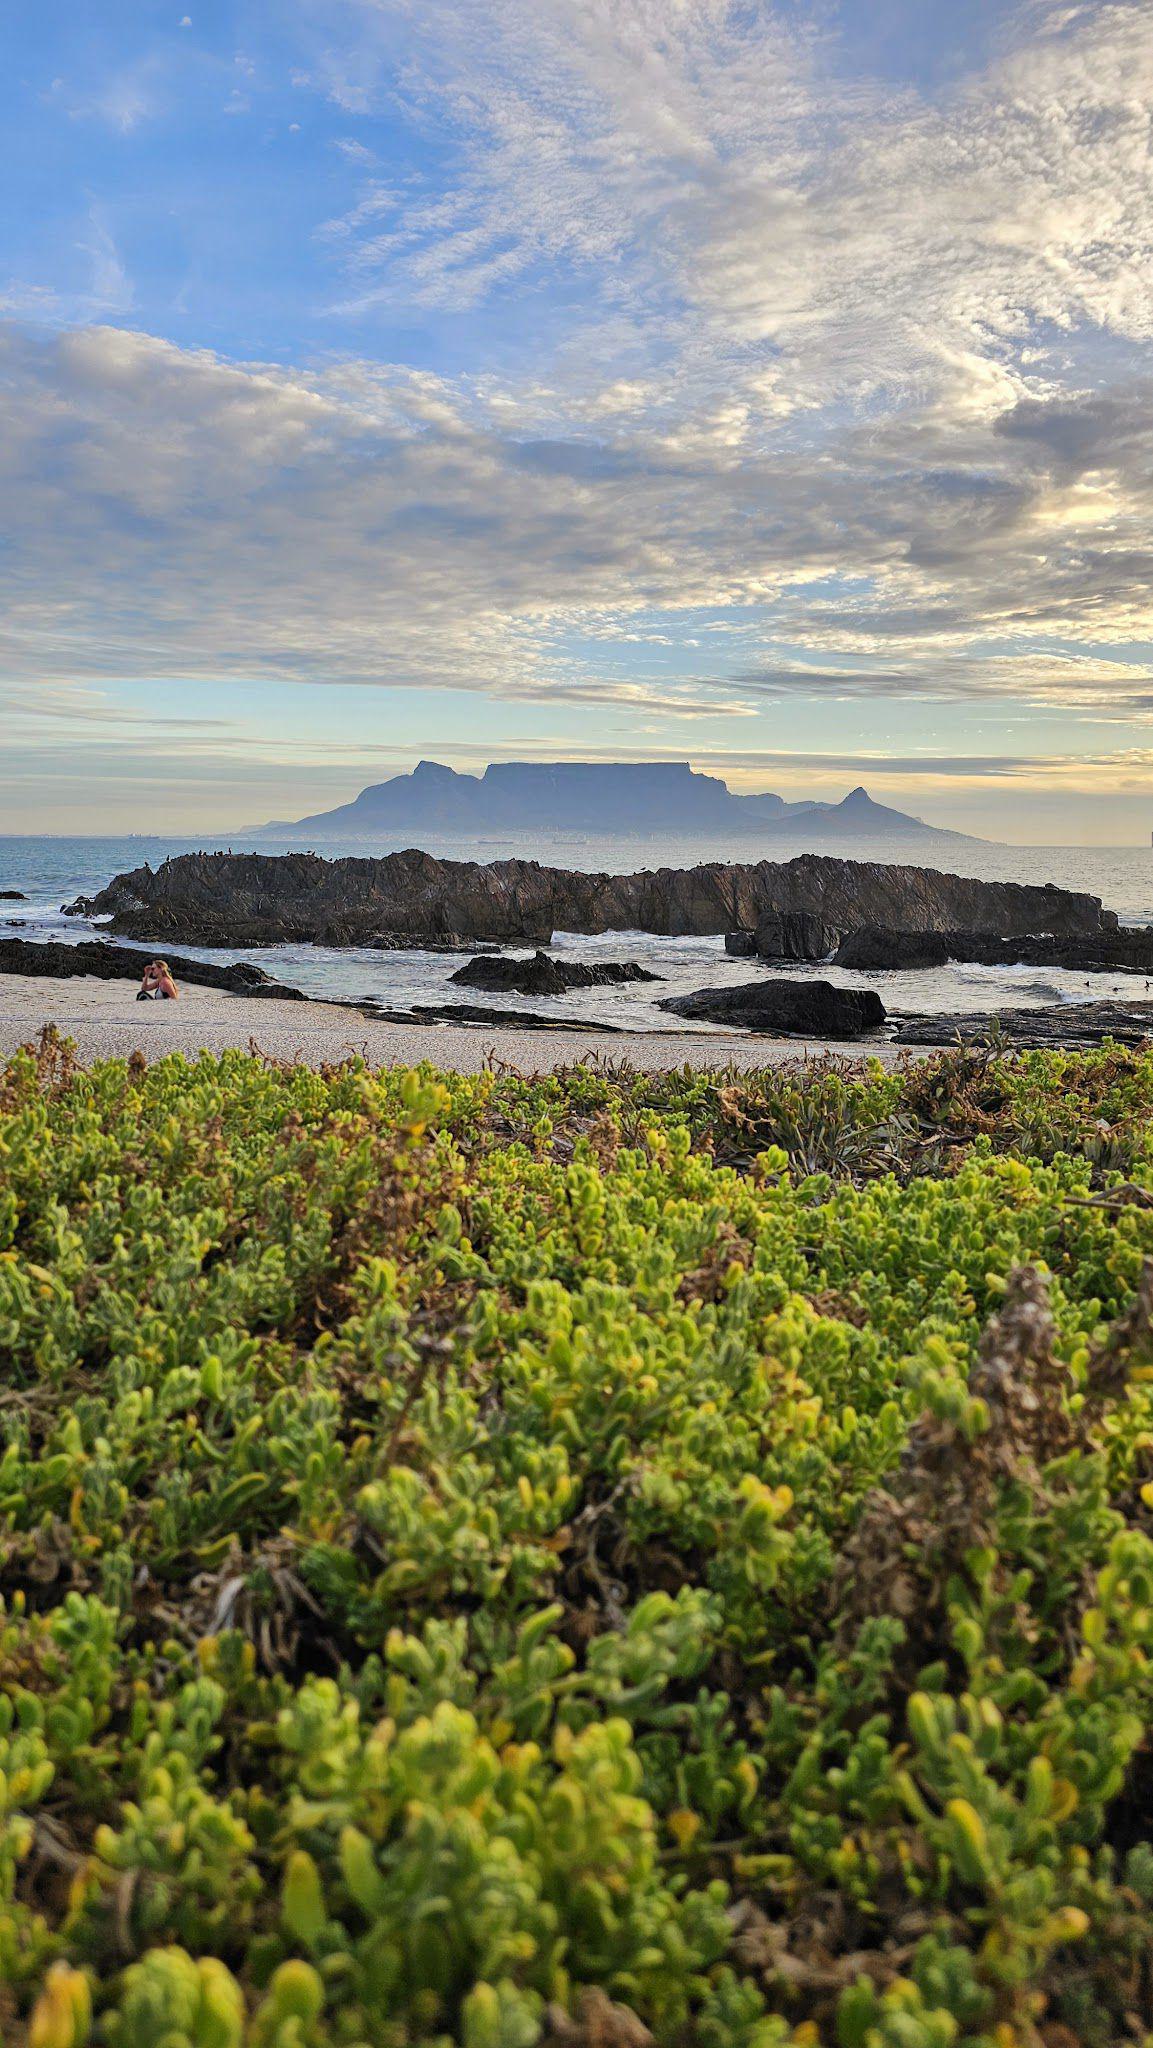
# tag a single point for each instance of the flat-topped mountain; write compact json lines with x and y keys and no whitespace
{"x":590,"y":796}
{"x":246,"y":899}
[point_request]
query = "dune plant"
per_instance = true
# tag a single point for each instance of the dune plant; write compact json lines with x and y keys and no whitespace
{"x":580,"y":1563}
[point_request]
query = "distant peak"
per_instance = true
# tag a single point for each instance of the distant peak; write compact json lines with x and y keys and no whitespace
{"x":433,"y":771}
{"x":860,"y":795}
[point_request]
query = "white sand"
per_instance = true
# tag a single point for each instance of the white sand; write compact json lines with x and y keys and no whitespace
{"x":107,"y":1022}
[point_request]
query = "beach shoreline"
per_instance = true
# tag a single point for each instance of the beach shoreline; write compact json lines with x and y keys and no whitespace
{"x":106,"y":1022}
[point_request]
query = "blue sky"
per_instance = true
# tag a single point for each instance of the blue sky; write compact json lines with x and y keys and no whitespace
{"x":767,"y":387}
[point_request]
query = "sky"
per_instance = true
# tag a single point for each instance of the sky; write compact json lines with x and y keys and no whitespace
{"x":762,"y":386}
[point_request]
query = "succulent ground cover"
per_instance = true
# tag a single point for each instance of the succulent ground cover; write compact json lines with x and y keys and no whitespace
{"x":586,"y":1562}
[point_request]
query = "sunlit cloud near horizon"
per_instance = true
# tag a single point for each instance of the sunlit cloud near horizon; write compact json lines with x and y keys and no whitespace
{"x":768,"y":388}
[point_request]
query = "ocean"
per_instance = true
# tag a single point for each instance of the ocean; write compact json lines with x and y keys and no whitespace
{"x":53,"y":871}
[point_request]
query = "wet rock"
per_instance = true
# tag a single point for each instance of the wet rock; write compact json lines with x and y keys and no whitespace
{"x":1125,"y":950}
{"x":1065,"y":1025}
{"x":741,"y":945}
{"x":878,"y":946}
{"x":127,"y":963}
{"x":794,"y":935}
{"x":12,"y":896}
{"x":806,"y":1009}
{"x":481,"y":1013}
{"x":542,"y":976}
{"x":249,"y":899}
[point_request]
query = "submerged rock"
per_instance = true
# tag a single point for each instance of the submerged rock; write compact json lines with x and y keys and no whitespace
{"x":127,"y":963}
{"x":542,"y":976}
{"x":12,"y":896}
{"x":806,"y":1009}
{"x":248,"y":899}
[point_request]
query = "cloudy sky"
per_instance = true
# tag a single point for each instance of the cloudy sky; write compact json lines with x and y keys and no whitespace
{"x":766,"y":386}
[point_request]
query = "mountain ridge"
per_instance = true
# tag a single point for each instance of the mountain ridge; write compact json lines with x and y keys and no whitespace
{"x":620,"y":797}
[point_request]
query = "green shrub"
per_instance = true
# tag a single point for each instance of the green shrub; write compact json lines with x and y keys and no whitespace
{"x":583,"y":1562}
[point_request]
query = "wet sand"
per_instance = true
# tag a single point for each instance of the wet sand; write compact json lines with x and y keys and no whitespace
{"x":107,"y":1022}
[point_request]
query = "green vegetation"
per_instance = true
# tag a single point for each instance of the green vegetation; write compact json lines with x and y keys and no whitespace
{"x":580,"y":1563}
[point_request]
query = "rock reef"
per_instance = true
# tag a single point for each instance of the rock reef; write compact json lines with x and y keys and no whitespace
{"x":1069,"y":1026}
{"x":252,"y":899}
{"x":1126,"y":950}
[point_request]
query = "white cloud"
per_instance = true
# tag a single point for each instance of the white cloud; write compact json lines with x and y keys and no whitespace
{"x":708,"y":164}
{"x":174,"y":515}
{"x":831,"y":371}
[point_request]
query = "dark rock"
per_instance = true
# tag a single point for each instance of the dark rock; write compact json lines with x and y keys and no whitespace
{"x":12,"y":896}
{"x":794,"y":935}
{"x":878,"y":946}
{"x":250,"y":899}
{"x":807,"y":1009}
{"x":480,"y":1013}
{"x":741,"y":945}
{"x":127,"y":963}
{"x":1065,"y":1025}
{"x":541,"y":976}
{"x":1125,"y":950}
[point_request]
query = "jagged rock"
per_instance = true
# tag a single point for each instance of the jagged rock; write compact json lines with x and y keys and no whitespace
{"x":807,"y":1009}
{"x":1127,"y":950}
{"x":542,"y":976}
{"x":248,"y":899}
{"x":794,"y":935}
{"x":127,"y":963}
{"x":741,"y":945}
{"x":1067,"y":1025}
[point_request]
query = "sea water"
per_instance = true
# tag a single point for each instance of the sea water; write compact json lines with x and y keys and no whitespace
{"x":53,"y":871}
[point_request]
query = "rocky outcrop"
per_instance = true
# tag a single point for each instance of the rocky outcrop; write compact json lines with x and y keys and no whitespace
{"x":785,"y":935}
{"x":794,"y":935}
{"x":1065,"y":1025}
{"x":1127,"y":950}
{"x":127,"y":963}
{"x":542,"y":976}
{"x":12,"y":896}
{"x":806,"y":1009}
{"x":250,"y":899}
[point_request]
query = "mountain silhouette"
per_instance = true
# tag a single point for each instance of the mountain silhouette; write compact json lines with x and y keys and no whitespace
{"x":617,"y":797}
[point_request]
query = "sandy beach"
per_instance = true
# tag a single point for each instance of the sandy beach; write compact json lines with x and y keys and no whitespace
{"x":106,"y":1022}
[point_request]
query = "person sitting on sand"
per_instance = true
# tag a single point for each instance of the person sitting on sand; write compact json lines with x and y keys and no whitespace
{"x":157,"y":984}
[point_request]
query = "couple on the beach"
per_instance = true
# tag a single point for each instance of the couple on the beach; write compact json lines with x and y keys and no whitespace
{"x":156,"y":984}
